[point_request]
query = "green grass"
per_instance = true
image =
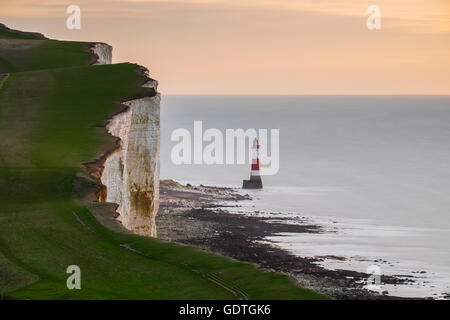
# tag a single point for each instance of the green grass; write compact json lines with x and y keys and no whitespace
{"x":25,"y":55}
{"x":49,"y":126}
{"x":10,"y":34}
{"x":4,"y":34}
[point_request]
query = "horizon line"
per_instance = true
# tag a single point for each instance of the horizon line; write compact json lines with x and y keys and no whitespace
{"x":307,"y":94}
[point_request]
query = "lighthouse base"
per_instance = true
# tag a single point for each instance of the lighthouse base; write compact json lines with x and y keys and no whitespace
{"x":253,"y":183}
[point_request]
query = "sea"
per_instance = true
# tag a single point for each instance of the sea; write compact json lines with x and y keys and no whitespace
{"x":372,"y":171}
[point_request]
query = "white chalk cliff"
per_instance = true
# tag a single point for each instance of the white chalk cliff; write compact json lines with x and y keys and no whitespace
{"x":131,"y":173}
{"x":103,"y":52}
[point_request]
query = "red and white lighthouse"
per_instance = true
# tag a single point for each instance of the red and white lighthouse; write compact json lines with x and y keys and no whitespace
{"x":255,"y":181}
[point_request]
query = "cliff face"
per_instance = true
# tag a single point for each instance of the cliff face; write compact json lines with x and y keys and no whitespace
{"x":130,"y":174}
{"x":103,"y":52}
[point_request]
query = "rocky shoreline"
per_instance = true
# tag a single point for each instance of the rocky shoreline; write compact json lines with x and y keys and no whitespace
{"x":192,"y":216}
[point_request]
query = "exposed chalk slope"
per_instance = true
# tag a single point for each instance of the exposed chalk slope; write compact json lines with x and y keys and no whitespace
{"x":131,"y":174}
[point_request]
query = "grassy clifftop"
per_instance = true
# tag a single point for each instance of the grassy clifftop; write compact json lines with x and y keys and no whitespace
{"x":8,"y":33}
{"x":18,"y":55}
{"x":24,"y":51}
{"x":51,"y":121}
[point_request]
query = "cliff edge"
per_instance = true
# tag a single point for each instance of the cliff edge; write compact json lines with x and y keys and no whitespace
{"x":129,"y":174}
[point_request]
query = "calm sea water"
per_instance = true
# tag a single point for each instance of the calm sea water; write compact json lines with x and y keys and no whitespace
{"x":374,"y":171}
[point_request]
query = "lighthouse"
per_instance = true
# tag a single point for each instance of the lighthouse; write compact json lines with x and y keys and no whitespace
{"x":255,"y":181}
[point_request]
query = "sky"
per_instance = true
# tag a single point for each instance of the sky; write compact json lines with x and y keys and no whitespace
{"x":262,"y":46}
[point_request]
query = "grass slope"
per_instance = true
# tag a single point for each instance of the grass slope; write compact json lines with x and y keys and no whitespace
{"x":49,"y":126}
{"x":8,"y":33}
{"x":24,"y":51}
{"x":25,"y":55}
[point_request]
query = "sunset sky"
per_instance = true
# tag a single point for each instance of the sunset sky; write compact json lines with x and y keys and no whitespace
{"x":262,"y":46}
